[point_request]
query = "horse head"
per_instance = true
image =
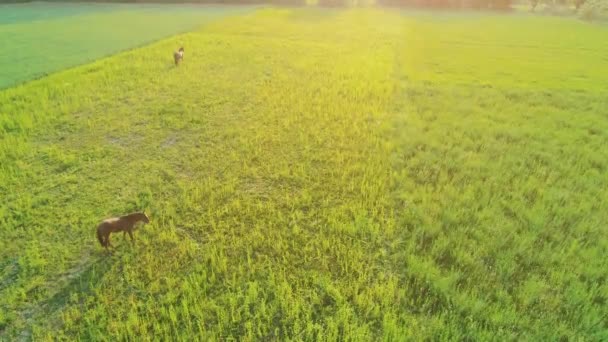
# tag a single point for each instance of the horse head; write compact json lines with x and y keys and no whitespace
{"x":139,"y":216}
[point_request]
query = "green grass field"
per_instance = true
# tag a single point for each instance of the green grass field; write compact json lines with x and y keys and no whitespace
{"x":314,"y":174}
{"x":41,"y":38}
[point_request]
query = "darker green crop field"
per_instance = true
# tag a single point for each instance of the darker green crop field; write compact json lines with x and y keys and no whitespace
{"x":311,"y":174}
{"x":38,"y":39}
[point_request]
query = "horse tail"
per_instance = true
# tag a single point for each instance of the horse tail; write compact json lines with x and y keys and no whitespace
{"x":100,"y":236}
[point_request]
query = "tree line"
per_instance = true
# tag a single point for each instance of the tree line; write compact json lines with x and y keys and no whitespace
{"x":586,"y":9}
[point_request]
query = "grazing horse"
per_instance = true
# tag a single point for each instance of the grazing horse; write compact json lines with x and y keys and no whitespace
{"x":178,"y":55}
{"x":124,"y":224}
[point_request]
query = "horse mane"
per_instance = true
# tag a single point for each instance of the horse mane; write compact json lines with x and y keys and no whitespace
{"x":135,"y":215}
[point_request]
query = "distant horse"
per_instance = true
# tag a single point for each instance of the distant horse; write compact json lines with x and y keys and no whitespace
{"x":124,"y":224}
{"x":178,"y":55}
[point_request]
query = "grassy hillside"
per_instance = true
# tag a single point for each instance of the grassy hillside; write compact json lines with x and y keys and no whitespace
{"x":331,"y":175}
{"x":40,"y":38}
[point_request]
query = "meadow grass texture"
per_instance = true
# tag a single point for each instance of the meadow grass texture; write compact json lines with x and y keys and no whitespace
{"x":311,"y":174}
{"x":41,"y":38}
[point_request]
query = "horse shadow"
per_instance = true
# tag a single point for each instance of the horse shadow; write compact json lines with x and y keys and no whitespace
{"x":81,"y":280}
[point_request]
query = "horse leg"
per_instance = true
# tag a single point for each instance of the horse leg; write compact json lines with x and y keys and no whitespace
{"x":105,"y":243}
{"x":131,"y":235}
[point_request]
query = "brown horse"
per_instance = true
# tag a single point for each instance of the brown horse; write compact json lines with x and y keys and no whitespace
{"x":178,"y":55}
{"x":124,"y":224}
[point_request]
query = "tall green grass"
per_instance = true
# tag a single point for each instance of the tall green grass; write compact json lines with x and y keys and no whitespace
{"x":314,"y":175}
